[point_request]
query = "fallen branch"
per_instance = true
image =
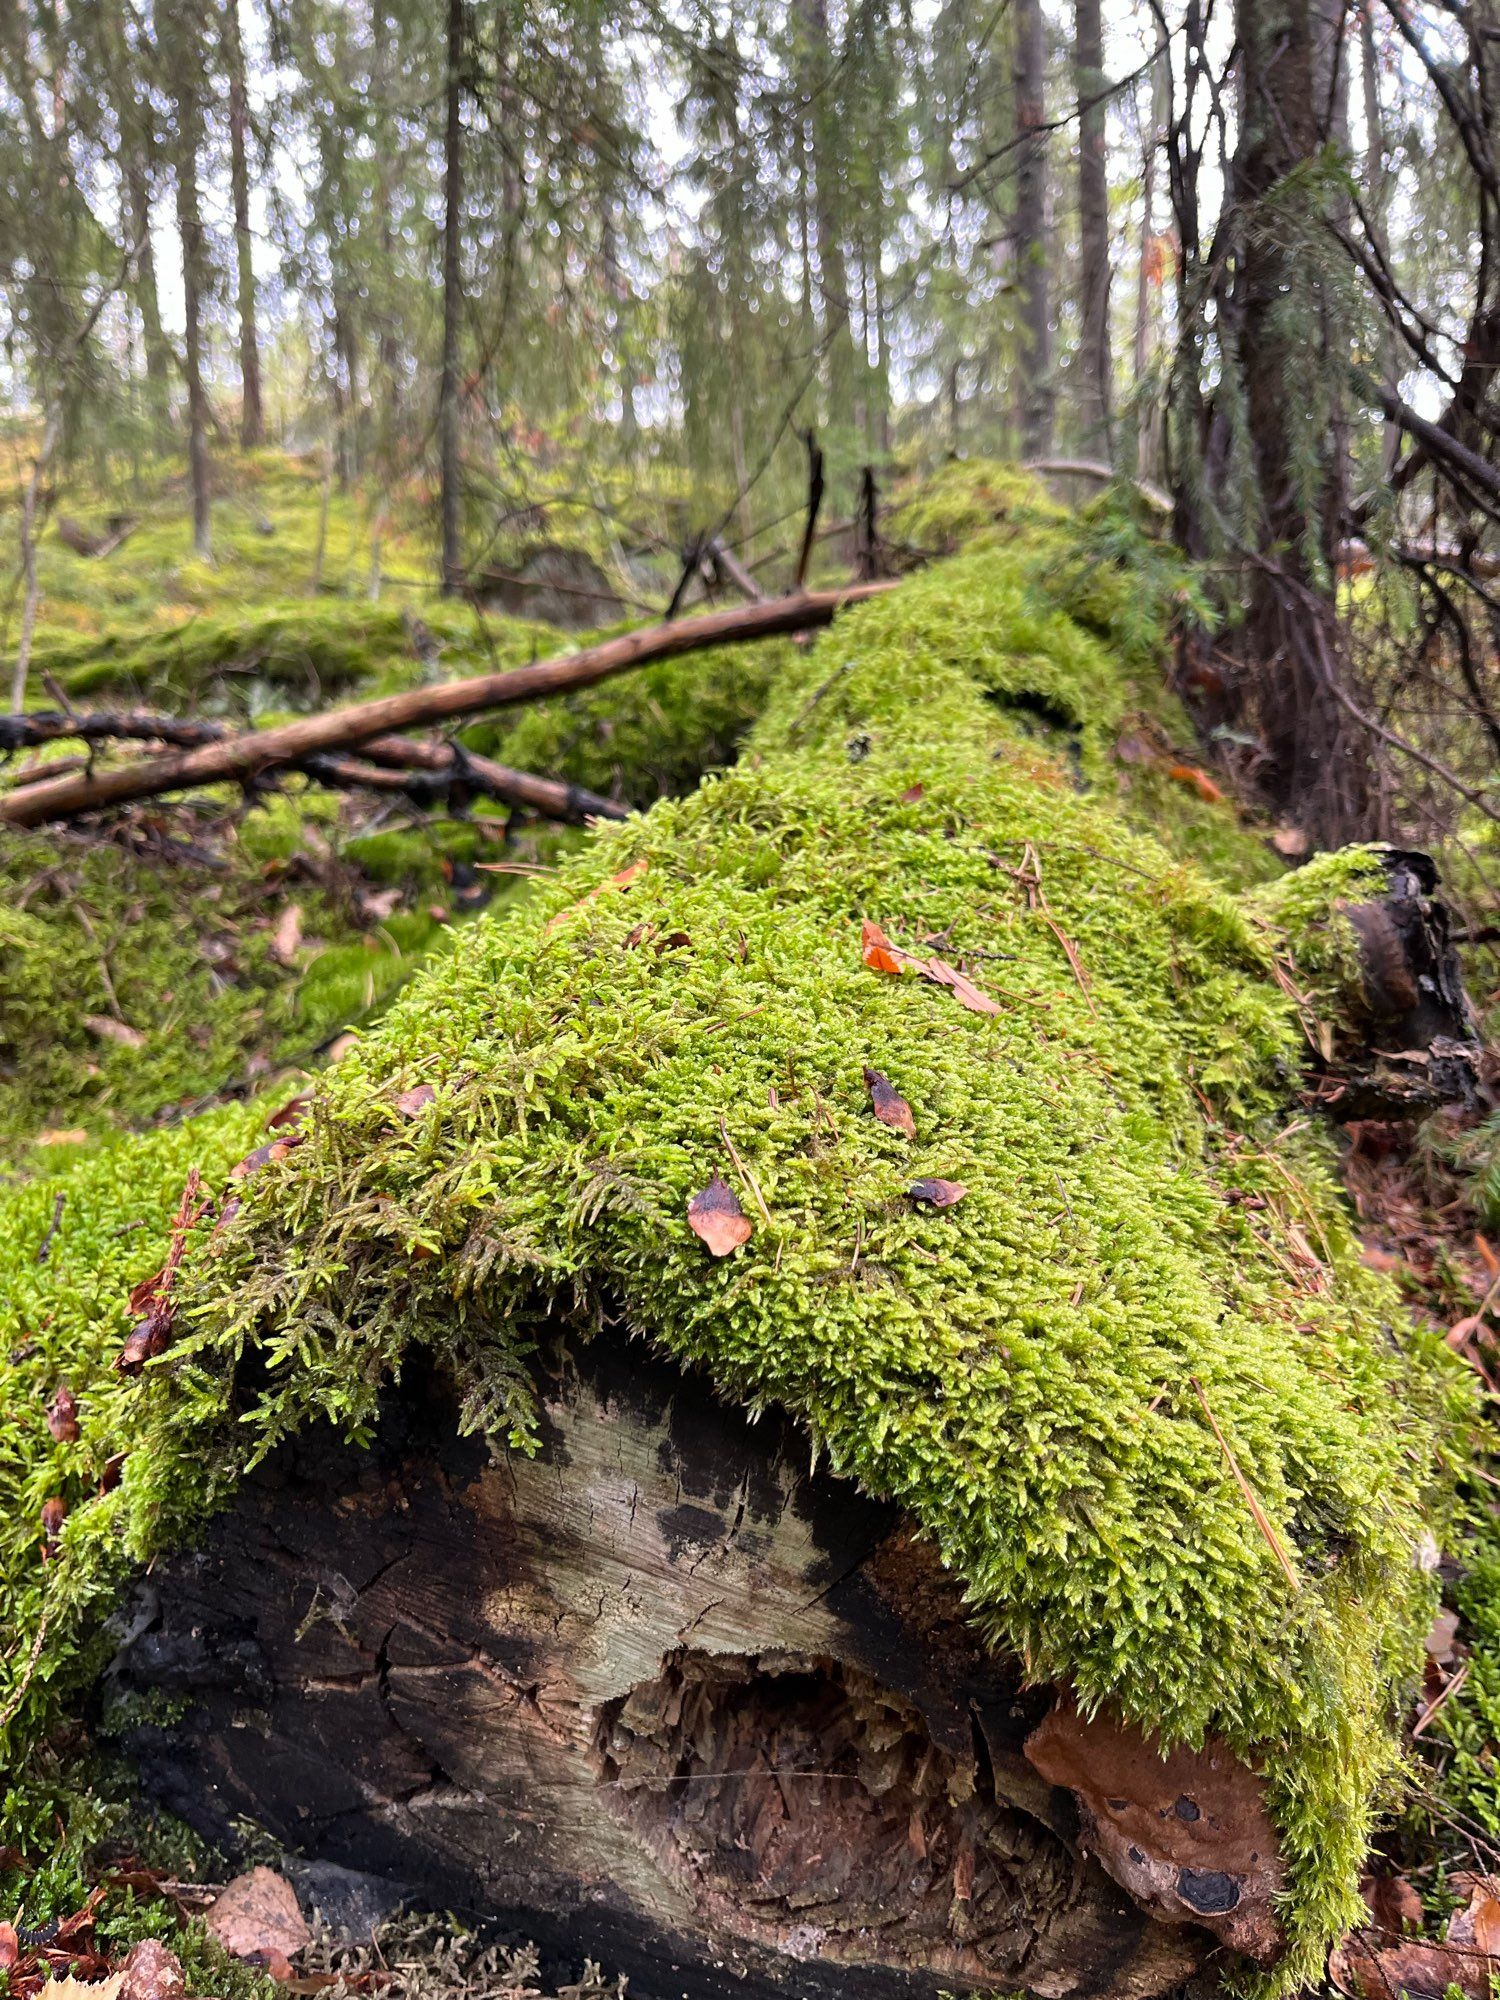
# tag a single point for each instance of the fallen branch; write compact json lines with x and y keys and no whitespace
{"x":243,"y":758}
{"x":1102,"y":475}
{"x":443,"y":768}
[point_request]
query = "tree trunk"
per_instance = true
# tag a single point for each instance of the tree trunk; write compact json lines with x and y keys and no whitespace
{"x":190,"y":229}
{"x":448,"y":410}
{"x":1316,"y":764}
{"x":252,"y":420}
{"x":662,"y":1695}
{"x":1093,"y":229}
{"x":833,"y":272}
{"x":1148,"y":425}
{"x":1033,"y":275}
{"x":1377,"y":199}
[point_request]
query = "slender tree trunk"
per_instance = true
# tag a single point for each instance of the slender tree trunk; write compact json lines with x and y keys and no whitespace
{"x":1033,"y":275}
{"x":1148,"y":440}
{"x":190,"y":229}
{"x":448,"y":410}
{"x":833,"y":271}
{"x":153,"y":337}
{"x":1093,"y":229}
{"x":1316,"y":769}
{"x":252,"y":420}
{"x":1377,"y":199}
{"x":29,"y":506}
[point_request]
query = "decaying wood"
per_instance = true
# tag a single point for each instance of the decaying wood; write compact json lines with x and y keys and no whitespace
{"x":661,"y":1694}
{"x":1410,"y":1044}
{"x":251,"y":754}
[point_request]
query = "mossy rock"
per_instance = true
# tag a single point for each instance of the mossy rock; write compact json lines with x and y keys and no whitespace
{"x":1143,"y":1235}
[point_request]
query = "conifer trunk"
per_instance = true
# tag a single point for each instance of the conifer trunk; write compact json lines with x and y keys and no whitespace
{"x":1093,"y":229}
{"x":448,"y":394}
{"x":1033,"y":275}
{"x":252,"y":419}
{"x":187,"y":55}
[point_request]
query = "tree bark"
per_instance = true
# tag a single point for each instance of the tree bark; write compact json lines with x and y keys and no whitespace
{"x":1316,"y":769}
{"x":662,"y":1695}
{"x":187,"y":56}
{"x":252,"y":418}
{"x":1096,"y":394}
{"x":1032,"y":250}
{"x":448,"y":393}
{"x":833,"y":272}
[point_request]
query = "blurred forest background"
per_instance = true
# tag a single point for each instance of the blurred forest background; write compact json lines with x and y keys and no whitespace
{"x":368,"y":299}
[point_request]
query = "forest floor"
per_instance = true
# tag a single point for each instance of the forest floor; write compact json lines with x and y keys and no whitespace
{"x":200,"y":952}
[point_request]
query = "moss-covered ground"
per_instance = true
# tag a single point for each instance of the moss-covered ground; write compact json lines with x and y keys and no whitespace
{"x":1145,"y":1235}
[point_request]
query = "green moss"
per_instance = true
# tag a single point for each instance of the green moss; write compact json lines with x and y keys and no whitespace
{"x":134,"y":980}
{"x":1020,"y":1372}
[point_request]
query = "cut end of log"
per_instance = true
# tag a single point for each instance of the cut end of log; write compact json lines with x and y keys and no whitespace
{"x":661,"y":1694}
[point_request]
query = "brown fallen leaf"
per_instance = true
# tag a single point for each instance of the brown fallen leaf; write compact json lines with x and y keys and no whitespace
{"x":263,"y":1156}
{"x":258,"y":1917}
{"x":1392,"y":1902}
{"x":108,"y":1029}
{"x":889,"y":1106}
{"x":715,"y":1215}
{"x":1412,"y":1969}
{"x":73,"y":1135}
{"x":878,"y":951}
{"x":291,"y":1114}
{"x":622,"y":880}
{"x":10,"y":1947}
{"x":62,"y":1415}
{"x":151,"y":1972}
{"x":410,"y":1102}
{"x":54,"y":1513}
{"x":287,"y":935}
{"x":1441,"y":1639}
{"x":910,"y":796}
{"x":968,"y":994}
{"x":938,"y":1193}
{"x":1476,"y":1927}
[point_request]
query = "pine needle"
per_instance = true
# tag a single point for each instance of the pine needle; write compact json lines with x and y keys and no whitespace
{"x":1262,"y":1518}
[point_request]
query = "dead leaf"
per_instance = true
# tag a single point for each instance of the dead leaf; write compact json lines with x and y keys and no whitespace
{"x":1414,"y":1969}
{"x":910,"y":796}
{"x":1198,"y":781}
{"x":1290,"y":842}
{"x":622,"y":880}
{"x":889,"y":1106}
{"x":10,"y":1947}
{"x":1440,"y":1640}
{"x":70,"y":1988}
{"x":74,"y":1135}
{"x":151,"y":1972}
{"x":879,"y":953}
{"x":410,"y":1102}
{"x":1477,"y":1926}
{"x":266,"y":1155}
{"x":108,"y":1029}
{"x":258,"y":1917}
{"x":291,"y":1114}
{"x":54,"y":1513}
{"x":287,"y":935}
{"x":1393,"y":1903}
{"x":62,"y":1415}
{"x":938,"y":1193}
{"x":968,"y":994}
{"x":715,"y":1215}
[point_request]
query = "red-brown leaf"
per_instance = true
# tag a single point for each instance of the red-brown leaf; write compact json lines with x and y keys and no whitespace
{"x":62,"y":1415}
{"x":410,"y":1102}
{"x":889,"y":1106}
{"x":910,"y":796}
{"x":54,"y":1513}
{"x":938,"y":1193}
{"x":879,"y":954}
{"x":715,"y":1215}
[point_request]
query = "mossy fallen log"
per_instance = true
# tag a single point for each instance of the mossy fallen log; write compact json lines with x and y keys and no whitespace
{"x":1088,"y":1323}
